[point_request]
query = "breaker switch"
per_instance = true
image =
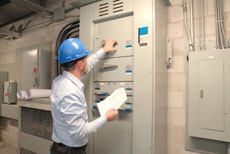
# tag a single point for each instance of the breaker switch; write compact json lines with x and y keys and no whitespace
{"x":103,"y":43}
{"x":105,"y":66}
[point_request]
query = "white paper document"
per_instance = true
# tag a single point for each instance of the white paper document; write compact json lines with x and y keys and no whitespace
{"x":115,"y":100}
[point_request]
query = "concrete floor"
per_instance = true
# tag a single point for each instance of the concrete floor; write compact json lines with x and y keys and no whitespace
{"x":6,"y":150}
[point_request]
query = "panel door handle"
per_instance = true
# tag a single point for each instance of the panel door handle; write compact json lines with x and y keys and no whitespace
{"x":201,"y":93}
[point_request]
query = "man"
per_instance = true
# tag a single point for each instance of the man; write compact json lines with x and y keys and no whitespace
{"x":69,"y":110}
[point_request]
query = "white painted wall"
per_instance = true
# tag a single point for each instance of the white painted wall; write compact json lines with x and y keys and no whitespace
{"x":177,"y":75}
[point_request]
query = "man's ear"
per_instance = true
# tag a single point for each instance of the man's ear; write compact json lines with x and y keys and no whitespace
{"x":80,"y":64}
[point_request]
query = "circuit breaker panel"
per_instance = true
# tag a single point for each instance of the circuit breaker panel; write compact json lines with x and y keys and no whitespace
{"x":138,"y":66}
{"x":209,"y":88}
{"x":114,"y":71}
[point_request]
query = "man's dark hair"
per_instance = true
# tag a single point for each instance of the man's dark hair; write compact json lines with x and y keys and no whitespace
{"x":71,"y":63}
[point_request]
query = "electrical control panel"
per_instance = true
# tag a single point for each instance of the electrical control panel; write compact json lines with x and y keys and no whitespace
{"x":208,"y":106}
{"x":104,"y":31}
{"x":114,"y":69}
{"x":10,"y":92}
{"x":3,"y":78}
{"x":104,"y":89}
{"x":137,"y":65}
{"x":35,"y":69}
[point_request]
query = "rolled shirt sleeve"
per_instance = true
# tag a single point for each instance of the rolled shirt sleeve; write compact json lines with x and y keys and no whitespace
{"x":93,"y":59}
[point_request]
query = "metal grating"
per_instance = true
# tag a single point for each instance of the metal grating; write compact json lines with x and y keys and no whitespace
{"x":36,"y":122}
{"x":118,"y":6}
{"x":103,"y":9}
{"x":25,"y":151}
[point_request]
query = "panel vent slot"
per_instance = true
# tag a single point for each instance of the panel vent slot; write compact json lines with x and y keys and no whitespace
{"x":103,"y":9}
{"x":118,"y":6}
{"x":25,"y":151}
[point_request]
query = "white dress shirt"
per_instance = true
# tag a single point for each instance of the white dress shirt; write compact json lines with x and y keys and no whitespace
{"x":69,"y":108}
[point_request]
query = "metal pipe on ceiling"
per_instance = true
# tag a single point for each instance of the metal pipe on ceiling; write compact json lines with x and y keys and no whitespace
{"x":35,"y":7}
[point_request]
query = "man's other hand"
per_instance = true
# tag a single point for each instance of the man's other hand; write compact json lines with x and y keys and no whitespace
{"x":111,"y":114}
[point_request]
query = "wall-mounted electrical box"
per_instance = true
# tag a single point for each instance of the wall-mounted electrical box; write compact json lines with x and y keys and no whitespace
{"x":209,"y":99}
{"x":10,"y":92}
{"x":3,"y":78}
{"x":35,"y":69}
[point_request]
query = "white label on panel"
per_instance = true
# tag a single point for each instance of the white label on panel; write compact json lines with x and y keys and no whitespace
{"x":144,"y":38}
{"x":210,"y":57}
{"x":129,"y":44}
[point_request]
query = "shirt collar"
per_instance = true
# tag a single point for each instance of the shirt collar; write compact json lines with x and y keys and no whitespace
{"x":74,"y":79}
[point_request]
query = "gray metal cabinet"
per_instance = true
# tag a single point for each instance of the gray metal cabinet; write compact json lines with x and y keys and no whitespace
{"x":138,"y":65}
{"x":3,"y":78}
{"x":209,"y":99}
{"x":35,"y":69}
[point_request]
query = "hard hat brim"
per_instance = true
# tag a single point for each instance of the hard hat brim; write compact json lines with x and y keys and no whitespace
{"x":89,"y":52}
{"x":72,"y":59}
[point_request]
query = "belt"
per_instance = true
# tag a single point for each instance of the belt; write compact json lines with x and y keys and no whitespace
{"x":63,"y":148}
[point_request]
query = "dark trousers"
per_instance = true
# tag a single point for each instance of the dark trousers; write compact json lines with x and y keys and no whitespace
{"x":59,"y":148}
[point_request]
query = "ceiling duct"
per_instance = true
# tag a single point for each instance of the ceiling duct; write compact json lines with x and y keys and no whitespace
{"x":11,"y":12}
{"x":8,"y":35}
{"x":14,"y":10}
{"x":81,"y":3}
{"x":33,"y":6}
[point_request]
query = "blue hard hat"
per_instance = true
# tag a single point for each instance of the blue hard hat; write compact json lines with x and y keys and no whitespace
{"x":72,"y":49}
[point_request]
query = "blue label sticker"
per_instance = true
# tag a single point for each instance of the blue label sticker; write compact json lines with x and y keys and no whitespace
{"x":143,"y":31}
{"x":129,"y":46}
{"x":128,"y":71}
